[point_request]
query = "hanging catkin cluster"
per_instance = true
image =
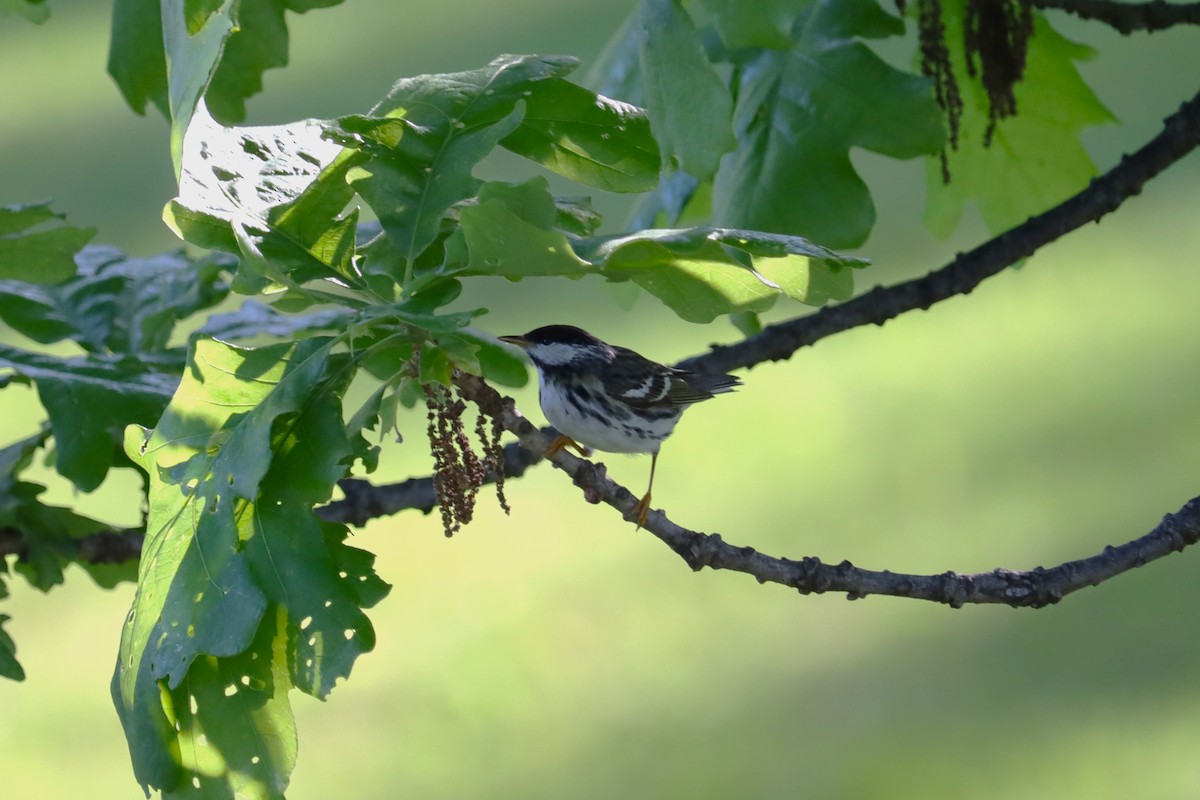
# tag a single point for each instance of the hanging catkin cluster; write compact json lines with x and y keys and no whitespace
{"x":995,"y":38}
{"x":458,"y":471}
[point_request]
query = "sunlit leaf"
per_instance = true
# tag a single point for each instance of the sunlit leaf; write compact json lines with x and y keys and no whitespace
{"x":243,"y":593}
{"x":173,"y":54}
{"x":273,"y":194}
{"x":702,"y":273}
{"x":234,"y":725}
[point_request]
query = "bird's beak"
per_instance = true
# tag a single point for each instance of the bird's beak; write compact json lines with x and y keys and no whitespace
{"x":517,"y":341}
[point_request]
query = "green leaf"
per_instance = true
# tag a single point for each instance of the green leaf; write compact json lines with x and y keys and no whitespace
{"x":1036,"y":159}
{"x":433,"y":365}
{"x":273,"y":194}
{"x":173,"y":54}
{"x":702,"y":273}
{"x":233,"y":723}
{"x":14,"y":219}
{"x":511,"y":231}
{"x":616,"y":72}
{"x":425,"y":138}
{"x":9,"y":666}
{"x":253,"y":318}
{"x":259,"y":42}
{"x":497,"y":362}
{"x":295,"y":557}
{"x":235,"y":431}
{"x":47,"y":533}
{"x":411,"y":186}
{"x":588,"y":138}
{"x":688,"y":104}
{"x":760,"y":23}
{"x":90,"y":400}
{"x":799,"y":112}
{"x":747,"y":322}
{"x":116,"y":304}
{"x":136,"y":60}
{"x":43,"y":255}
{"x":191,"y":56}
{"x":36,"y":11}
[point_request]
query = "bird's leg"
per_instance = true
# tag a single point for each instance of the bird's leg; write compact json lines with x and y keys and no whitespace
{"x":562,"y":442}
{"x":643,"y":506}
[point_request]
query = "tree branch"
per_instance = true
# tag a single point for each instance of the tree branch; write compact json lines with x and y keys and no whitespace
{"x":1030,"y":588}
{"x":1126,"y":18}
{"x":363,"y":502}
{"x":1180,"y":135}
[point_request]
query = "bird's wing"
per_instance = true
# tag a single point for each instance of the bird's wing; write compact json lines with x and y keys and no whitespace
{"x":636,"y":380}
{"x":640,"y":382}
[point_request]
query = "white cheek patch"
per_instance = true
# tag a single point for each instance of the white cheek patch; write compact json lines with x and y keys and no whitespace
{"x":553,"y":354}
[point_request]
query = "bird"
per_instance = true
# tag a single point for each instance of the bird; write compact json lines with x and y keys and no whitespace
{"x":610,"y":398}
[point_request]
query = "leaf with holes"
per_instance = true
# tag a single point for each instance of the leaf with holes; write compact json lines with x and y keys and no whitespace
{"x":234,"y":723}
{"x":197,"y":594}
{"x":273,"y":194}
{"x":290,"y":550}
{"x":173,"y":54}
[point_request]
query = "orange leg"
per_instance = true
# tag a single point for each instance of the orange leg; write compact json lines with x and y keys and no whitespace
{"x":562,"y":442}
{"x":643,"y":506}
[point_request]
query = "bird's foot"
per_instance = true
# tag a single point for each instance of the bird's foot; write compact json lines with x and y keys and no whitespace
{"x":562,"y":442}
{"x":643,"y":511}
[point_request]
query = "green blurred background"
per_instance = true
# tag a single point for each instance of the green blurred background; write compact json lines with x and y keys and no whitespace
{"x":559,"y":653}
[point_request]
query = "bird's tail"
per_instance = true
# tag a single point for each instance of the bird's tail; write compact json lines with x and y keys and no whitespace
{"x":702,"y":385}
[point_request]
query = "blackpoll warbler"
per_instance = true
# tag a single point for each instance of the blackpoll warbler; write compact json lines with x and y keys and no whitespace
{"x":610,"y":398}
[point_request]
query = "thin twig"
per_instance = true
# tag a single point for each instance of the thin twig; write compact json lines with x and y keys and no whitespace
{"x":1127,"y":18}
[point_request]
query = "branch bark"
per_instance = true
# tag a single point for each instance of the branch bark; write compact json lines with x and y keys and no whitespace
{"x":362,"y":502}
{"x":1180,"y":135}
{"x":1028,"y":588}
{"x":1127,"y":18}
